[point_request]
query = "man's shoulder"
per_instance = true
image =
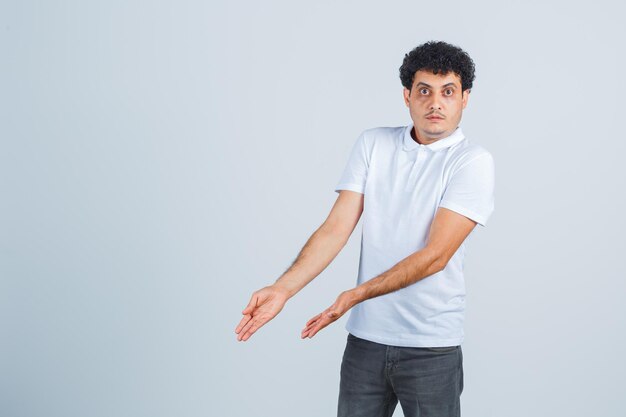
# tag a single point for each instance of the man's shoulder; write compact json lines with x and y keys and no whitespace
{"x":382,"y":135}
{"x":467,"y":151}
{"x":384,"y":131}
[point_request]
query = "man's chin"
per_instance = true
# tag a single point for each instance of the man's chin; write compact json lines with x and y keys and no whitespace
{"x":435,"y":134}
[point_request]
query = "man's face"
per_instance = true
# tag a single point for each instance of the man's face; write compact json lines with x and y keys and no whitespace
{"x":436,"y":104}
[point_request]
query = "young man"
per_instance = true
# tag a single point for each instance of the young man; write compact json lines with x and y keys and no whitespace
{"x":421,"y":190}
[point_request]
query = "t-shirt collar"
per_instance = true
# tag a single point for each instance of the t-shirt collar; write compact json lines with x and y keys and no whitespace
{"x":454,"y":138}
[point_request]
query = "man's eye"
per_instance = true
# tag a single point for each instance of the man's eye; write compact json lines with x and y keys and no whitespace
{"x":449,"y":92}
{"x":422,"y":90}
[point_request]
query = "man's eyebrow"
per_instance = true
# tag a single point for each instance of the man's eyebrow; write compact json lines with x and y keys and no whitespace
{"x":430,"y":86}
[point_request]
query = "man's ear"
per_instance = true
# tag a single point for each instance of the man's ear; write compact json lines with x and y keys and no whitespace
{"x":406,"y":93}
{"x":465,"y":97}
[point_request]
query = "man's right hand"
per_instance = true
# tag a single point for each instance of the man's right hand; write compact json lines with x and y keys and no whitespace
{"x":264,"y":305}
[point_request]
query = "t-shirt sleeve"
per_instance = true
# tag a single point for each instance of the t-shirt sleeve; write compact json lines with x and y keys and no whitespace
{"x":355,"y":173}
{"x":470,"y":191}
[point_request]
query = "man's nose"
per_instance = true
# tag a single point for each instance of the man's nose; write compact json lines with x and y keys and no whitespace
{"x":435,"y":105}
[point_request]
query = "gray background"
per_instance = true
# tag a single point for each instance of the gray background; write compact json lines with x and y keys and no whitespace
{"x":160,"y":161}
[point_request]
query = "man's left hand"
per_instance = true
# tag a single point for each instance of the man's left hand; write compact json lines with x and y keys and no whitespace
{"x":344,"y":302}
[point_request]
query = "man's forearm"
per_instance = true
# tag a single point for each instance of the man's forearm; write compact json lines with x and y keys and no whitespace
{"x":318,"y":252}
{"x":411,"y":269}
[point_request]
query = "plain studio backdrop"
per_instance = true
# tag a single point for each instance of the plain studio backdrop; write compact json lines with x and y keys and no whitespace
{"x":160,"y":161}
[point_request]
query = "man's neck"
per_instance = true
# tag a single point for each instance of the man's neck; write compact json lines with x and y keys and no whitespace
{"x":414,"y":136}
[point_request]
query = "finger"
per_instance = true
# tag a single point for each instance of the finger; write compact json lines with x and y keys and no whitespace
{"x":244,"y":330}
{"x":307,"y":333}
{"x":246,"y":318}
{"x":309,"y":326}
{"x":323,"y":323}
{"x":319,"y":322}
{"x":313,"y":319}
{"x":306,"y":330}
{"x":316,"y":327}
{"x":312,"y":332}
{"x":253,"y":303}
{"x":251,"y":331}
{"x":252,"y":327}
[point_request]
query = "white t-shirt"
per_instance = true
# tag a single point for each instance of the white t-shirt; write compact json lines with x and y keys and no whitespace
{"x":404,"y":183}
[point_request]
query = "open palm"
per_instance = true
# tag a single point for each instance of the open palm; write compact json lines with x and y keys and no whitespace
{"x":344,"y":302}
{"x":264,"y":305}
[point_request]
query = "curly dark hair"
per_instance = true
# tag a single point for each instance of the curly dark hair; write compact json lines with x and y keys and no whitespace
{"x":438,"y":57}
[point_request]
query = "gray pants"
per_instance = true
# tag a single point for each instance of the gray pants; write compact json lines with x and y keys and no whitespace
{"x":427,"y":381}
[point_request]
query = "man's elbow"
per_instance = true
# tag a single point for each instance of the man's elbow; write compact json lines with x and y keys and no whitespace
{"x":439,"y":266}
{"x":440,"y":261}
